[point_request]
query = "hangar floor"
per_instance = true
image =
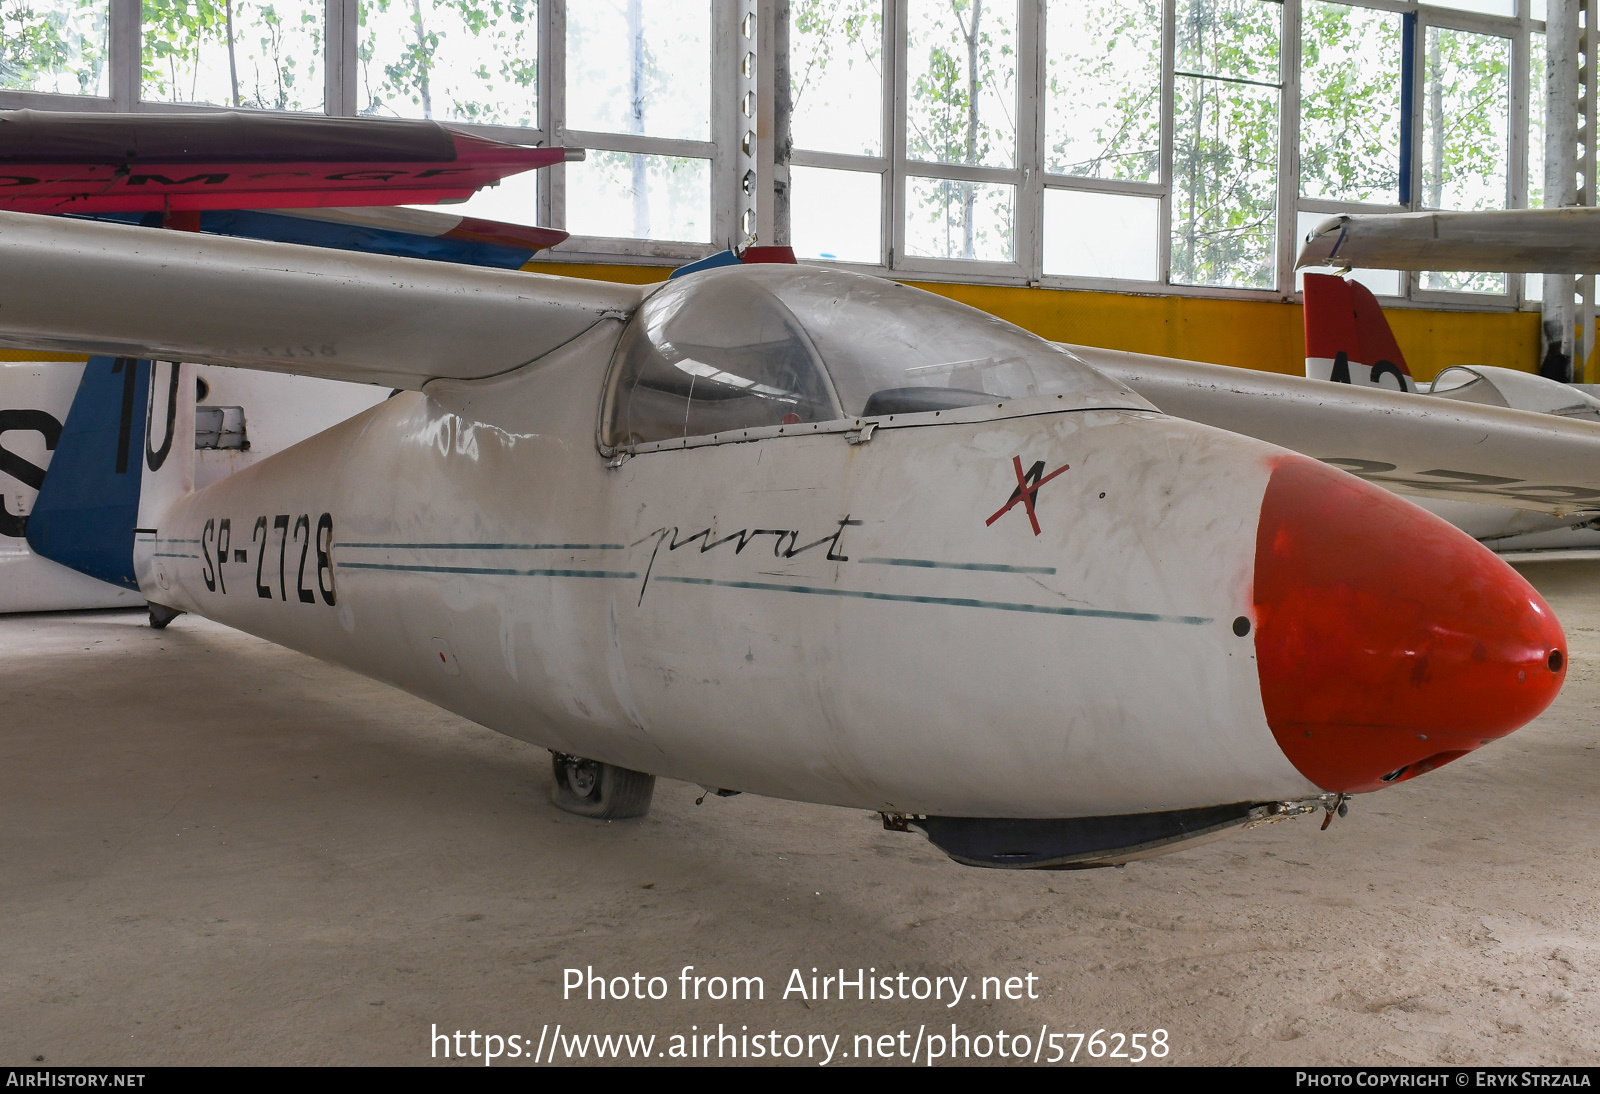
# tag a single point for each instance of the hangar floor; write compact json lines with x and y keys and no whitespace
{"x":216,"y":850}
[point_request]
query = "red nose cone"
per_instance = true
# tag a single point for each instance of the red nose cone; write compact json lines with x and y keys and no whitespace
{"x":1387,"y":641}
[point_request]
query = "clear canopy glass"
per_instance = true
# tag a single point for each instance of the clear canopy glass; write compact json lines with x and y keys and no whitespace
{"x":749,"y":346}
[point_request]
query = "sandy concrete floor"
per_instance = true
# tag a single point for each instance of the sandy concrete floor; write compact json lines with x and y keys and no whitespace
{"x":215,"y":850}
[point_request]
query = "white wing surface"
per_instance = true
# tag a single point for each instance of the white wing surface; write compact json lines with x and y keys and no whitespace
{"x":87,"y":287}
{"x":1411,"y":444}
{"x":1497,"y":241}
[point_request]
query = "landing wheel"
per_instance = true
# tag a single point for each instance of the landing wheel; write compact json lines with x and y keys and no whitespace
{"x":160,"y":617}
{"x":590,"y":788}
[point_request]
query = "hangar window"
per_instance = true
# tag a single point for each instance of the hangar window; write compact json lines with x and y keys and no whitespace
{"x":837,"y":123}
{"x":443,"y":60}
{"x":55,"y":46}
{"x":1350,"y":103}
{"x":644,"y":110}
{"x":1466,"y":135}
{"x":264,"y":54}
{"x":1104,"y":144}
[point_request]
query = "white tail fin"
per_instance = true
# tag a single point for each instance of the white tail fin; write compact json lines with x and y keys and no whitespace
{"x":169,"y":456}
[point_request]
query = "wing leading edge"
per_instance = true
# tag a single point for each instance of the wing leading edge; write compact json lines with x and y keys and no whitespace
{"x":1497,"y":241}
{"x":87,"y":287}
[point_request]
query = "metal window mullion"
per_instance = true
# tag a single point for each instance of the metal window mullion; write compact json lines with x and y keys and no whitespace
{"x":838,"y":161}
{"x":1169,"y":19}
{"x":960,"y":172}
{"x":1517,"y":138}
{"x":1517,"y":143}
{"x":763,"y":44}
{"x":726,"y":123}
{"x":1106,"y":186}
{"x":339,"y":18}
{"x":50,"y":100}
{"x":1027,"y":242}
{"x":896,"y":25}
{"x":1378,"y":5}
{"x":350,"y":60}
{"x":1590,"y":192}
{"x":958,"y":269}
{"x":1411,"y":280}
{"x":644,"y":146}
{"x":887,"y":127}
{"x":1498,"y":26}
{"x":1335,"y":208}
{"x":1288,"y":147}
{"x":553,"y":108}
{"x":124,"y":49}
{"x":729,"y":85}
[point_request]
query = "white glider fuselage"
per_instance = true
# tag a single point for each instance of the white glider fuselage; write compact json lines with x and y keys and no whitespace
{"x":810,"y":534}
{"x":799,"y":616}
{"x":813,"y":535}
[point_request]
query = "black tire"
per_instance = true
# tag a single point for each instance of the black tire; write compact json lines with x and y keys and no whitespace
{"x":600,"y":791}
{"x":160,"y":616}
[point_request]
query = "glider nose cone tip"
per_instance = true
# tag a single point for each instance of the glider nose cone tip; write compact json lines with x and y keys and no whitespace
{"x":1388,"y":642}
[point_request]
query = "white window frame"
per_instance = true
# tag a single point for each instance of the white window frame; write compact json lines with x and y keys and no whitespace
{"x":729,"y":163}
{"x":340,"y":98}
{"x":1031,"y":181}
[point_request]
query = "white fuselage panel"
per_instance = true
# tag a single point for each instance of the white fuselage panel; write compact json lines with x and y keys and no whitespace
{"x":801,"y":617}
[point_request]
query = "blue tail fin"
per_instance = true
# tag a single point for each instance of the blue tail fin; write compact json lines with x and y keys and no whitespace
{"x":88,"y":506}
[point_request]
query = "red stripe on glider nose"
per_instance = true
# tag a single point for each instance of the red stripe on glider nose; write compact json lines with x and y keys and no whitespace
{"x":1385,"y":638}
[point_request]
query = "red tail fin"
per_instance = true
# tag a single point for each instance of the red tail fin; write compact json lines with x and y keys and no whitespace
{"x":1347,"y":338}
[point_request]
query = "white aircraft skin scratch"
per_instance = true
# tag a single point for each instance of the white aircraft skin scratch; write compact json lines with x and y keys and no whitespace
{"x":481,"y":514}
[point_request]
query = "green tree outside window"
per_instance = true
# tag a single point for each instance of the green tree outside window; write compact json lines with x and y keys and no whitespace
{"x":54,"y":46}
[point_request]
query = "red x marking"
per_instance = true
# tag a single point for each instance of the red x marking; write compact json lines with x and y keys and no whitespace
{"x":1025,"y":493}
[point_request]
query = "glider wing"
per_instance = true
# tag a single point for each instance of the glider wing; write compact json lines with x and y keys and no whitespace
{"x":101,"y":163}
{"x":1507,"y":240}
{"x":81,"y":286}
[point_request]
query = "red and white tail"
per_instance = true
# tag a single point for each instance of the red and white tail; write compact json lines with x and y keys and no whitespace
{"x":1348,"y":340}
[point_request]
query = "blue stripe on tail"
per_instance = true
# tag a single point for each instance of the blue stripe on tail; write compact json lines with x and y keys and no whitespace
{"x":86,"y":511}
